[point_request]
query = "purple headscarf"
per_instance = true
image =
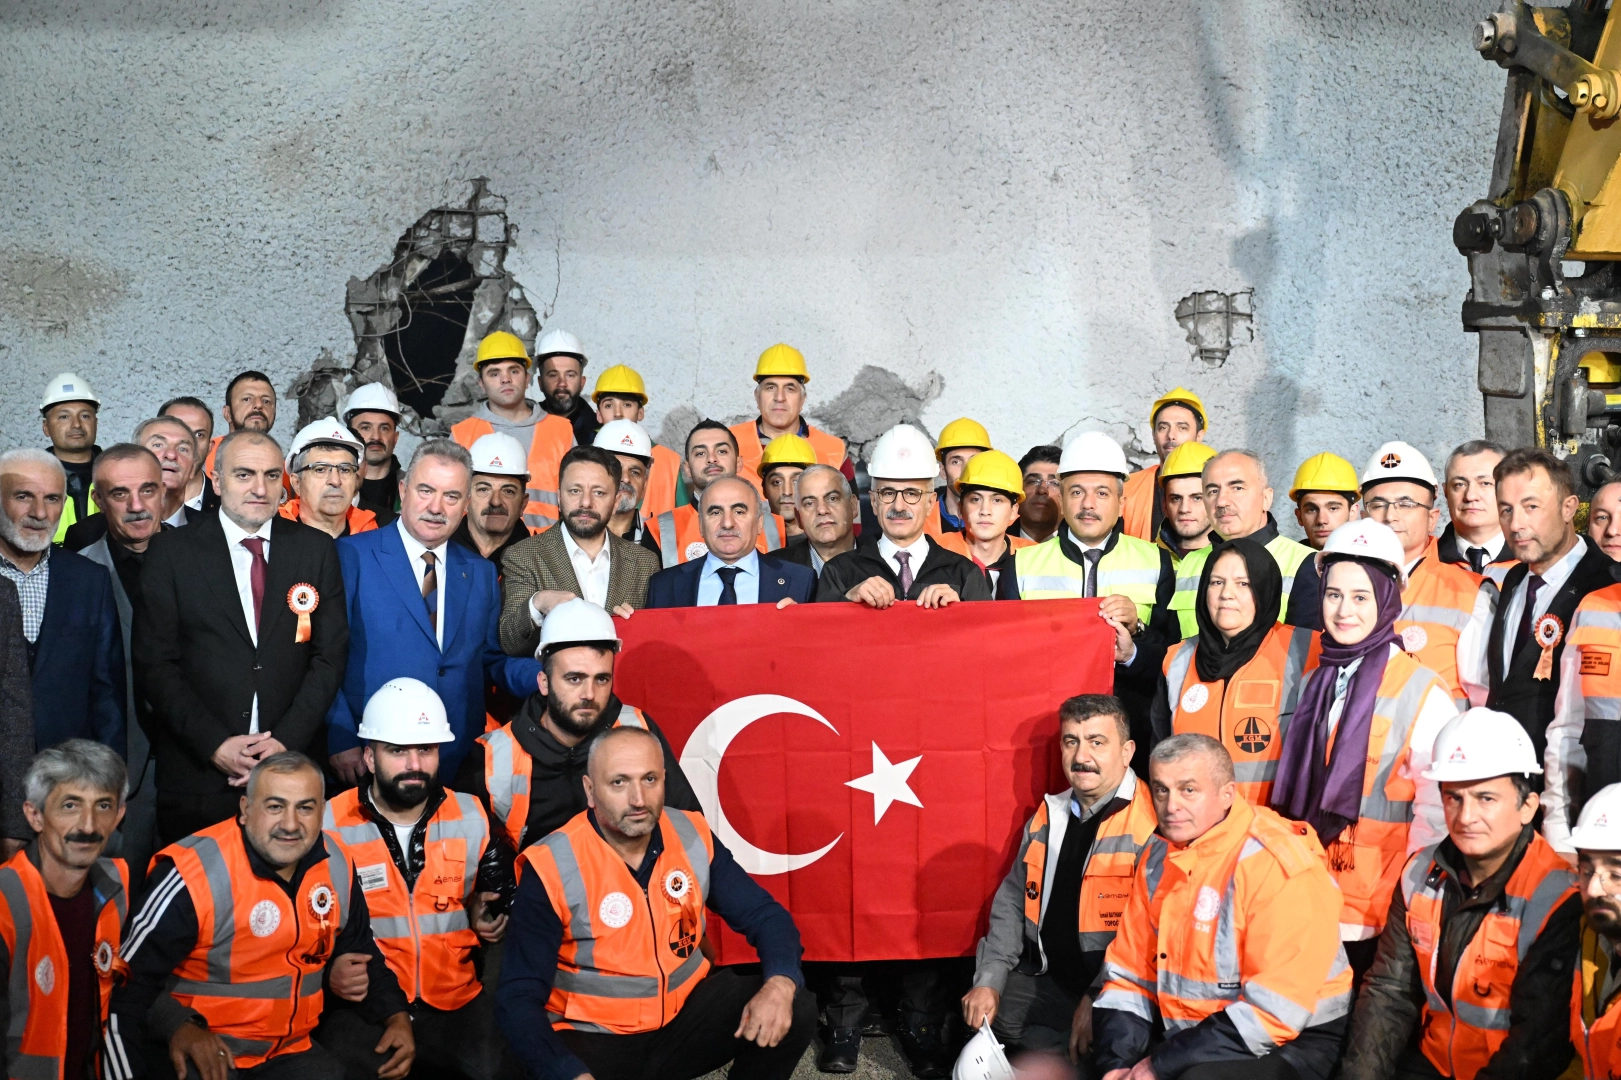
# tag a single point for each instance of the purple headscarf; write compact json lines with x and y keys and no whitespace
{"x":1322,"y":789}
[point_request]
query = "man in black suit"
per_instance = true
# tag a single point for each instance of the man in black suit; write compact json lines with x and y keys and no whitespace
{"x":231,"y":672}
{"x":827,"y":508}
{"x":1474,"y":537}
{"x":734,"y":571}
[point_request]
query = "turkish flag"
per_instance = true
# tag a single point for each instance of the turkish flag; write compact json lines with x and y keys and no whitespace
{"x":872,"y":769}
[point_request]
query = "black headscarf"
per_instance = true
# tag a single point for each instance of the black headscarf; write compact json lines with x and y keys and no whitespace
{"x":1217,"y":658}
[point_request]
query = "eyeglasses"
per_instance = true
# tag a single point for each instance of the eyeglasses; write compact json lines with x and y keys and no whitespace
{"x":1404,"y":504}
{"x":324,"y":470}
{"x":1038,"y":482}
{"x":913,"y":496}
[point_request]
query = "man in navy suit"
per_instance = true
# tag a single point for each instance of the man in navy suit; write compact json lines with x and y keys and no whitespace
{"x":734,"y":571}
{"x":430,"y":607}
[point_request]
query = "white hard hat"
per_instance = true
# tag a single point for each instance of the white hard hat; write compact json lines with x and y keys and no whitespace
{"x":1398,"y":461}
{"x":1481,"y":744}
{"x":372,"y":397}
{"x":982,"y":1058}
{"x":558,"y":343}
{"x":576,"y":622}
{"x":499,"y":454}
{"x":405,"y":712}
{"x":1093,"y":451}
{"x":903,"y":453}
{"x":624,"y":437}
{"x":67,"y":387}
{"x":1366,"y":538}
{"x":323,"y":432}
{"x":1599,"y":827}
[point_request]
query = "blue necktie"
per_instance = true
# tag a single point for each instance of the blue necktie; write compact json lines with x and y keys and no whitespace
{"x":728,"y":584}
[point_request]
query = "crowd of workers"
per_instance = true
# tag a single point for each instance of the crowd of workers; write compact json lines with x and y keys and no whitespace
{"x":311,"y":765}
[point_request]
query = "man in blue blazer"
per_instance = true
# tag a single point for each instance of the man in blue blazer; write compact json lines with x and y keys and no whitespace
{"x":423,"y":607}
{"x":734,"y":571}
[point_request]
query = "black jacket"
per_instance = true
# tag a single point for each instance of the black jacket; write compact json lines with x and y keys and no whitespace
{"x":942,"y":567}
{"x":1450,"y":551}
{"x":381,"y":497}
{"x":16,"y":714}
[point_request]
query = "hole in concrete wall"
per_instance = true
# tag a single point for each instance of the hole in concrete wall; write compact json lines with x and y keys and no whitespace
{"x":422,"y":350}
{"x":1216,"y":321}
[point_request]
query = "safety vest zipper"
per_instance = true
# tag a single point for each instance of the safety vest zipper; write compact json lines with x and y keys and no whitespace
{"x":664,"y":979}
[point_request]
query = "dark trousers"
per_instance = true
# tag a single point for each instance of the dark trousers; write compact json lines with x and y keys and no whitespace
{"x":699,"y":1040}
{"x":1360,"y":955}
{"x":1270,"y":1067}
{"x":180,"y":815}
{"x":312,"y":1064}
{"x":460,"y":1042}
{"x":1035,"y":1013}
{"x":928,"y":989}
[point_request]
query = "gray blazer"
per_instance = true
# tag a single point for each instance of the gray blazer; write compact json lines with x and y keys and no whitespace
{"x":542,"y":562}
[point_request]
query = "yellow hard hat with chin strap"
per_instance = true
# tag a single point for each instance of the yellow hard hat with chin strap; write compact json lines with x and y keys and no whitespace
{"x":781,"y":360}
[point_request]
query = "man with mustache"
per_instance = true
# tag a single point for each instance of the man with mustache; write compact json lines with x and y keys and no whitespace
{"x":62,"y":908}
{"x":827,"y":507}
{"x":373,"y":414}
{"x":424,"y":608}
{"x":68,"y":415}
{"x":711,"y":453}
{"x":250,"y":405}
{"x":733,"y":571}
{"x":781,"y":386}
{"x":195,"y":414}
{"x":176,"y":450}
{"x":560,"y":377}
{"x":493,"y":524}
{"x":325,"y":465}
{"x":1593,"y":1015}
{"x":638,"y":460}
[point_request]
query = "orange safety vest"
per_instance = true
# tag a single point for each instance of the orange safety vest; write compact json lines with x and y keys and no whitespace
{"x":553,"y":437}
{"x":208,"y":462}
{"x":1250,"y":713}
{"x":663,"y":474}
{"x":629,"y":958}
{"x":829,"y":449}
{"x":1137,"y":512}
{"x":1595,"y":629}
{"x":508,"y":767}
{"x":38,"y":976}
{"x":1106,"y":881}
{"x":359,"y":520}
{"x":1595,"y":1025}
{"x":254,"y":974}
{"x":957,"y":542}
{"x":422,"y":929}
{"x":1436,"y":606}
{"x":1460,"y":1041}
{"x":680,"y":540}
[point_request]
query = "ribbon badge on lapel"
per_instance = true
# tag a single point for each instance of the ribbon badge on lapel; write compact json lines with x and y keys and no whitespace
{"x":1548,"y":632}
{"x":303,"y":599}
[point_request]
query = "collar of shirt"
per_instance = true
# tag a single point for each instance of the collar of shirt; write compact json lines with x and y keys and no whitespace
{"x":749,"y":564}
{"x":1556,"y":575}
{"x":38,"y":568}
{"x":235,"y":534}
{"x":196,"y":501}
{"x":655,"y":847}
{"x":414,"y":547}
{"x":817,"y":562}
{"x":577,"y":553}
{"x":1494,"y":547}
{"x":1127,"y":790}
{"x":918,"y":549}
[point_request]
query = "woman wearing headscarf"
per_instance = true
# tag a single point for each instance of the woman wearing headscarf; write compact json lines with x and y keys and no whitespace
{"x":1237,"y":679}
{"x":1363,"y":733}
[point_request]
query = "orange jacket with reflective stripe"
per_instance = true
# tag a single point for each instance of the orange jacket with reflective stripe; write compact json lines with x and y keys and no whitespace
{"x":359,"y":520}
{"x":552,"y":438}
{"x":1461,"y":1040}
{"x":1595,"y":1025}
{"x":955,"y":541}
{"x":680,"y":540}
{"x":662,"y":477}
{"x":422,"y":929}
{"x":1241,"y":920}
{"x":1137,"y":513}
{"x":830,"y":449}
{"x":36,"y":1047}
{"x":1436,"y":606}
{"x":1249,"y":713}
{"x":254,"y":973}
{"x":508,"y":767}
{"x":629,"y":958}
{"x":1595,"y":629}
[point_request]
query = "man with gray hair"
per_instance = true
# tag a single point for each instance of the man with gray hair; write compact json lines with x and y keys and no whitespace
{"x":175,"y":446}
{"x":62,"y":908}
{"x":1474,"y":536}
{"x":826,"y":508}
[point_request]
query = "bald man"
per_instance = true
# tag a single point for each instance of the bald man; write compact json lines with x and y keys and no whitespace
{"x":734,"y":571}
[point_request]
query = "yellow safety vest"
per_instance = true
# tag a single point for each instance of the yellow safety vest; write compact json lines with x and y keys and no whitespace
{"x":71,"y":515}
{"x":1130,"y":568}
{"x":1290,"y":555}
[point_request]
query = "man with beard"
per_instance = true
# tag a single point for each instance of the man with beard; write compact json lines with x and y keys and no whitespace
{"x":250,"y":405}
{"x":583,"y":558}
{"x":195,"y":414}
{"x":560,"y":377}
{"x":711,"y":453}
{"x":176,"y":450}
{"x":423,"y":608}
{"x":1595,"y":1022}
{"x":626,"y":440}
{"x":1186,"y":524}
{"x":431,"y":878}
{"x":1039,"y":515}
{"x":493,"y":523}
{"x":373,"y":414}
{"x":68,"y":415}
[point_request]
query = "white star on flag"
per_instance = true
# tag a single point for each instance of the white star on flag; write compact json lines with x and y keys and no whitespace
{"x":887,"y":783}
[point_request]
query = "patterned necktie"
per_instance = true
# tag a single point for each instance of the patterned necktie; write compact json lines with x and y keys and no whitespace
{"x":430,"y":589}
{"x":905,"y":559}
{"x":256,"y":575}
{"x":728,"y":584}
{"x":1533,"y":585}
{"x":1090,"y":588}
{"x":1477,"y":559}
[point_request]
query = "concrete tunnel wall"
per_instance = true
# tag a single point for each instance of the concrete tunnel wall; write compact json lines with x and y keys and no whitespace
{"x":999,"y":203}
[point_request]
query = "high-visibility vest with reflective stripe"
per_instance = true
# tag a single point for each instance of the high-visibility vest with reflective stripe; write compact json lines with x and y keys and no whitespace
{"x":663,"y":474}
{"x":1130,"y":568}
{"x":359,"y":520}
{"x":507,"y":771}
{"x":1191,"y":934}
{"x":680,"y":540}
{"x":958,"y":544}
{"x":1249,"y":714}
{"x":1137,"y":513}
{"x":422,"y":929}
{"x":830,"y":449}
{"x":254,"y":973}
{"x":1436,"y":606}
{"x":1290,"y":555}
{"x":36,"y":1043}
{"x":553,"y":437}
{"x":1594,"y":1029}
{"x":1109,"y":865}
{"x":70,"y":513}
{"x":1595,"y":629}
{"x":629,"y":958}
{"x":1460,"y":1041}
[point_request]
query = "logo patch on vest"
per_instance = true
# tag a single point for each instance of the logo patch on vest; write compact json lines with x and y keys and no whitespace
{"x":684,"y":936}
{"x":1032,"y":890}
{"x":264,"y":918}
{"x":321,"y":901}
{"x":1253,"y":735}
{"x":677,"y":885}
{"x":615,"y":910}
{"x":696,"y":550}
{"x":1207,"y":905}
{"x":372,"y":877}
{"x":1414,"y":638}
{"x":1595,"y":661}
{"x":45,"y":975}
{"x":104,"y":956}
{"x":1195,"y":697}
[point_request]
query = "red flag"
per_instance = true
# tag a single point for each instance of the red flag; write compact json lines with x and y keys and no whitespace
{"x":871,"y":769}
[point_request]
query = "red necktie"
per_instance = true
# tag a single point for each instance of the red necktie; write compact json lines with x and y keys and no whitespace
{"x":256,"y":545}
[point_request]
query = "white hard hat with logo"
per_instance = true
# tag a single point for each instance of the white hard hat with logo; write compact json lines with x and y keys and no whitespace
{"x":67,"y":387}
{"x":577,"y":622}
{"x":559,"y":343}
{"x":982,"y":1058}
{"x":624,"y":437}
{"x":1366,"y":538}
{"x":1481,"y":744}
{"x":324,"y":432}
{"x":1093,"y":451}
{"x":405,"y":712}
{"x":903,"y":453}
{"x":1599,"y":827}
{"x":499,"y":454}
{"x":372,"y":397}
{"x":1398,"y":461}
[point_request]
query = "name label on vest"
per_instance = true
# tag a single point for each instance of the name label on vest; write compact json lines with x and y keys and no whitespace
{"x":372,"y":877}
{"x":1595,"y":661}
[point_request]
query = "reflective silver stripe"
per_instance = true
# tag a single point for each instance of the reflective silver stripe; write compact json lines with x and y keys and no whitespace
{"x":1180,"y":986}
{"x":577,"y":1025}
{"x":1114,"y":972}
{"x":1535,"y":910}
{"x":541,"y":495}
{"x":1154,"y":856}
{"x":363,"y":833}
{"x":1075,"y":586}
{"x":1288,"y":1012}
{"x":1602,"y":708}
{"x":1403,"y":713}
{"x":15,"y":896}
{"x":20,"y":1066}
{"x":1122,"y":1001}
{"x":1173,"y":1024}
{"x":1115,"y":845}
{"x":1228,"y":970}
{"x":390,"y":926}
{"x":246,"y":1047}
{"x":1413,"y":875}
{"x":1451,"y":618}
{"x":1294,"y":677}
{"x":309,"y":983}
{"x":580,"y":930}
{"x":630,"y":716}
{"x":466,"y":828}
{"x":343,"y":876}
{"x":596,"y":984}
{"x":498,"y":772}
{"x":478,"y":839}
{"x":689,"y":967}
{"x":443,"y":922}
{"x":1477,"y":1017}
{"x":1255,"y":772}
{"x":1601,"y":620}
{"x":773,"y":538}
{"x":1177,"y":674}
{"x":1332,"y":1008}
{"x":536,"y":521}
{"x":224,"y":905}
{"x":1250,"y":1028}
{"x":693,"y":845}
{"x":1096,"y":940}
{"x":669,"y":550}
{"x":279,"y":987}
{"x":1108,"y":578}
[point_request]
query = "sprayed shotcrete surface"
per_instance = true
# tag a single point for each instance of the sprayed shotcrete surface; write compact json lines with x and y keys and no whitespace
{"x":997,"y":204}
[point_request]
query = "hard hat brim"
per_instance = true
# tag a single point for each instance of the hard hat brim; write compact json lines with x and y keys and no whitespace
{"x":1295,"y":493}
{"x":49,"y":405}
{"x":598,"y":395}
{"x":1016,"y":496}
{"x":611,"y":644}
{"x":764,"y":375}
{"x":1368,"y":485}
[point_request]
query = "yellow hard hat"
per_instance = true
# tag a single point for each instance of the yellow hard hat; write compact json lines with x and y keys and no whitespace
{"x":500,"y":346}
{"x":1325,"y":472}
{"x":781,"y":360}
{"x":1180,"y":396}
{"x":963,"y":432}
{"x":787,"y":450}
{"x":1189,"y":459}
{"x":992,"y":469}
{"x":621,"y":380}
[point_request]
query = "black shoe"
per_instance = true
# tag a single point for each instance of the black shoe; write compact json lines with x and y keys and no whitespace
{"x":873,"y":1024}
{"x":925,"y":1051}
{"x":840,"y":1050}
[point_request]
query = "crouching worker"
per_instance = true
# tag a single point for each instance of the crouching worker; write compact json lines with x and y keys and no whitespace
{"x":1472,"y":975}
{"x":1231,"y":938}
{"x":242,"y":924}
{"x":602,"y":974}
{"x":62,"y":909}
{"x":1040,"y":963}
{"x":424,"y":861}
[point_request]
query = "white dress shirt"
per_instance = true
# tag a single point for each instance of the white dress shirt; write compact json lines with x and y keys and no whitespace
{"x":747,"y":583}
{"x":242,"y":570}
{"x":1552,"y":581}
{"x":413,"y":554}
{"x":592,"y":574}
{"x":919,"y":551}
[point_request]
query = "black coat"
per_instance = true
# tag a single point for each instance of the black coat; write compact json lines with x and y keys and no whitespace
{"x":1450,"y":551}
{"x":942,"y":567}
{"x":16,"y":714}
